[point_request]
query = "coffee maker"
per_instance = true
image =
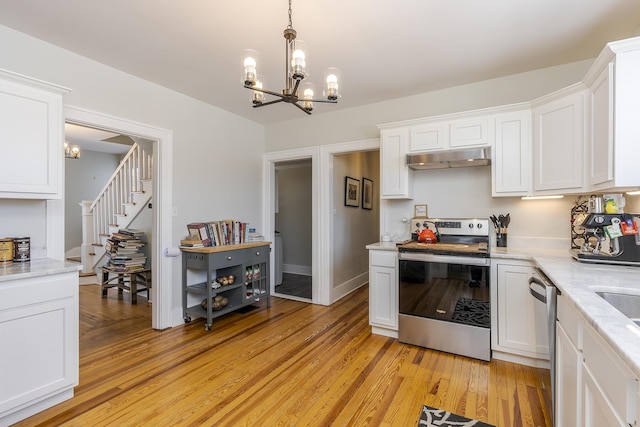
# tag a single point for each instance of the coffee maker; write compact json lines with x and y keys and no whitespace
{"x":612,"y":239}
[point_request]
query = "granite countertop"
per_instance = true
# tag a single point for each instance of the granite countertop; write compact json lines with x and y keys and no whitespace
{"x":35,"y":268}
{"x":579,"y":282}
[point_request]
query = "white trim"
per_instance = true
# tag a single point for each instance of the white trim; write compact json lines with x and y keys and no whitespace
{"x":303,"y":270}
{"x":161,"y":275}
{"x":326,"y":215}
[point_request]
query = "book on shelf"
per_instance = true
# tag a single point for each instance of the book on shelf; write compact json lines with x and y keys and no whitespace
{"x":217,"y":233}
{"x":199,"y":229}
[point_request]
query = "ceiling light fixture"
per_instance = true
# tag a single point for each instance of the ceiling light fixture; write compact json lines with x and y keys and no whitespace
{"x":295,"y":63}
{"x":71,"y":152}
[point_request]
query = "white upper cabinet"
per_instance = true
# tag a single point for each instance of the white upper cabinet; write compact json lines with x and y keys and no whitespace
{"x":471,"y":132}
{"x":32,"y":135}
{"x":395,"y":175}
{"x":430,"y":136}
{"x":614,"y":90}
{"x":511,"y":157}
{"x":558,"y":142}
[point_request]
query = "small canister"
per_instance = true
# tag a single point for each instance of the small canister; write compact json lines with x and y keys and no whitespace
{"x":21,"y":249}
{"x":6,"y":251}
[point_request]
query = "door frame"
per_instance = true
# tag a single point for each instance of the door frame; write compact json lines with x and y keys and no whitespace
{"x":327,"y":153}
{"x":162,"y":273}
{"x":319,"y":294}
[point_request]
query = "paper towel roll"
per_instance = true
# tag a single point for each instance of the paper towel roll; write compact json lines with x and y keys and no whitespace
{"x":172,"y":252}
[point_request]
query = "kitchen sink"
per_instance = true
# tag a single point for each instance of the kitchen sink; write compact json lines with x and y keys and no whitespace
{"x":627,"y":304}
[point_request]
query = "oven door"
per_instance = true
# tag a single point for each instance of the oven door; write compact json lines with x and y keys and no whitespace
{"x":444,"y":303}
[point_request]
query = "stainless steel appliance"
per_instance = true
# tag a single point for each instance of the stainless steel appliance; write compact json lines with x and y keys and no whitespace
{"x":610,"y":239}
{"x":444,"y":287}
{"x":547,"y":293}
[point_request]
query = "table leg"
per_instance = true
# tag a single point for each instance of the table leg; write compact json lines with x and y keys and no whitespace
{"x":133,"y":287}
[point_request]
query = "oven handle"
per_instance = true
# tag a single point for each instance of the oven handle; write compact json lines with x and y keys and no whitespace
{"x":444,"y":259}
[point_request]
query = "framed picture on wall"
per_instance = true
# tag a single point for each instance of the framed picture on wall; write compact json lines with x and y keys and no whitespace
{"x":351,"y":192}
{"x":367,"y":194}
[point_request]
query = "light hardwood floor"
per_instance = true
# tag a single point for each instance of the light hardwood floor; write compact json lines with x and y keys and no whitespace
{"x":294,"y":364}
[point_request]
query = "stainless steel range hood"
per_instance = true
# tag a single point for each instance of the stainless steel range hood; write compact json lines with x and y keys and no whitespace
{"x":450,"y":159}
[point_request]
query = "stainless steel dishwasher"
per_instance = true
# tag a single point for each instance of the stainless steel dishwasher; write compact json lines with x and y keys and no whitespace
{"x":545,"y":291}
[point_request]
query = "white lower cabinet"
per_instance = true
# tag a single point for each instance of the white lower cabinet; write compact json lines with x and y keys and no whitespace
{"x":594,"y":387}
{"x":383,"y":292}
{"x":39,"y":344}
{"x":568,"y":380}
{"x":520,"y":326}
{"x":609,"y":385}
{"x":568,"y":366}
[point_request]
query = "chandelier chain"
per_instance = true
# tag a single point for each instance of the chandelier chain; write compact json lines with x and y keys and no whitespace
{"x":290,"y":24}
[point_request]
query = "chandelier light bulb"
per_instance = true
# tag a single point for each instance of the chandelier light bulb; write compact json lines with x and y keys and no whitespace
{"x":250,"y":73}
{"x":258,"y":97}
{"x":332,"y":87}
{"x":297,"y":64}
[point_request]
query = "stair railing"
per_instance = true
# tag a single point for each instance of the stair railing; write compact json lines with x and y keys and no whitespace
{"x":99,"y":215}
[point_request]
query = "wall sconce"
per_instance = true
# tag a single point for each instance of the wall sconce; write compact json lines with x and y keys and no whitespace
{"x":71,"y":152}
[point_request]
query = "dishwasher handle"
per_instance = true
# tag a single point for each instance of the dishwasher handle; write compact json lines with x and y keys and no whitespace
{"x":537,"y":295}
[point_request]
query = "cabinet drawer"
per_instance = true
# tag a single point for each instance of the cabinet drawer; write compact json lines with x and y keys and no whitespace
{"x":568,"y":318}
{"x":383,"y":258}
{"x":217,"y":260}
{"x":256,"y":255}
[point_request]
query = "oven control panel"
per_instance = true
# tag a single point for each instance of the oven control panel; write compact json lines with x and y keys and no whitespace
{"x":452,"y":226}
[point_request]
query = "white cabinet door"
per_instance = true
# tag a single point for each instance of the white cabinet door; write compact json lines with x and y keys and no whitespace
{"x":568,"y":380}
{"x":471,"y":132}
{"x":431,"y":136}
{"x":383,"y":290}
{"x":597,"y":411}
{"x":511,"y":163}
{"x":39,"y":330}
{"x":31,"y":130}
{"x":558,"y":144}
{"x":522,"y":320}
{"x":601,"y":138}
{"x":394,"y":172}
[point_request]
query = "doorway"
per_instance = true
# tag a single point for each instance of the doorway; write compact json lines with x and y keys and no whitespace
{"x":162,"y":147}
{"x":292,"y":242}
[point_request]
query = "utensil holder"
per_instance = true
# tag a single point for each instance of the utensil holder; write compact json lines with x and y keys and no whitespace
{"x":501,"y":240}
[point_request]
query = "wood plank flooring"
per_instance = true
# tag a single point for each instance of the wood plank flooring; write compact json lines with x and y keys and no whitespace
{"x":294,"y":364}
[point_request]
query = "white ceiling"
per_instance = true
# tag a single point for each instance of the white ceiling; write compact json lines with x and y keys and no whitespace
{"x":385,"y":48}
{"x":95,"y":139}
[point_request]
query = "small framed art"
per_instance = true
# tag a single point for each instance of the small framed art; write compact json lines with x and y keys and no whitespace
{"x":367,"y":193}
{"x":420,"y":211}
{"x":351,"y":192}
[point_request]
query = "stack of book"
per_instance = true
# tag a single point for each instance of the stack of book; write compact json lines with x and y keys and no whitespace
{"x":123,"y":250}
{"x":217,"y":233}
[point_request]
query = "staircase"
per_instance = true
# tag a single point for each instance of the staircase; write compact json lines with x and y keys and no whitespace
{"x":121,"y":200}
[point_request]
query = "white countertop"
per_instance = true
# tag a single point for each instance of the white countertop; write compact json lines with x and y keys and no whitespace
{"x":35,"y":268}
{"x":579,"y":282}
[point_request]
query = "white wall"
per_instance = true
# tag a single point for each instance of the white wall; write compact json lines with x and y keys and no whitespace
{"x":217,"y":156}
{"x":353,"y":228}
{"x":85,"y":177}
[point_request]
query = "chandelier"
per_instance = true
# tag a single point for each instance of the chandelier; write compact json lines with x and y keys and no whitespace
{"x":71,"y":152}
{"x":295,"y":64}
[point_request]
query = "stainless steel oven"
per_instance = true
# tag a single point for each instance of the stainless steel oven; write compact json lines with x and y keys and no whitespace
{"x":444,"y":293}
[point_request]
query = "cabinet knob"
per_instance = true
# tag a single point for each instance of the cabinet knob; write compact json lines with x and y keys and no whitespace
{"x":257,"y":253}
{"x":229,"y":258}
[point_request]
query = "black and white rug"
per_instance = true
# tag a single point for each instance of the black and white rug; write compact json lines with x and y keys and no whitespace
{"x":432,"y":417}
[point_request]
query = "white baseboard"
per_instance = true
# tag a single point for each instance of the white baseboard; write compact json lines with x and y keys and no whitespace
{"x":305,"y":270}
{"x":520,"y":360}
{"x":349,"y":286}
